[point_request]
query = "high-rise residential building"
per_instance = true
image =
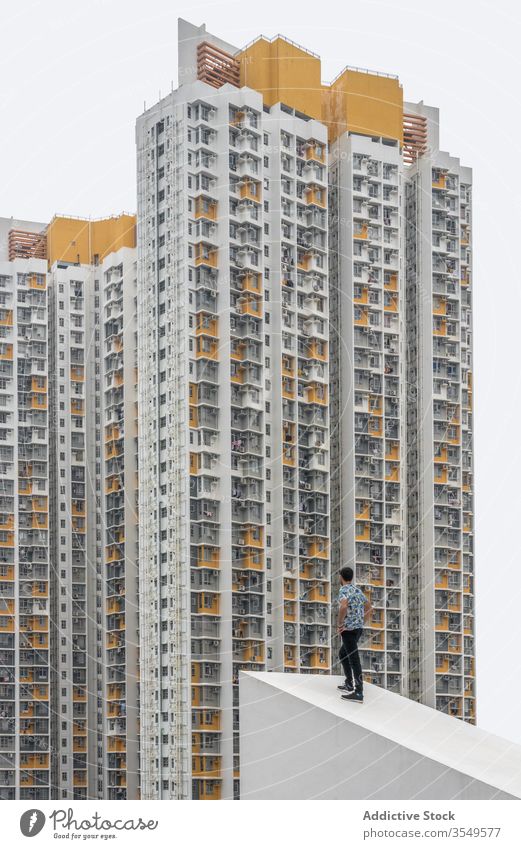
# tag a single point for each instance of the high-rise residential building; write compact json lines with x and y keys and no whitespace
{"x":72,"y":706}
{"x":234,"y":438}
{"x":275,"y":315}
{"x":293,"y":340}
{"x":93,"y":343}
{"x":73,"y":529}
{"x":402,"y":389}
{"x":26,"y":720}
{"x":438,"y":279}
{"x":368,"y":391}
{"x":119,"y":497}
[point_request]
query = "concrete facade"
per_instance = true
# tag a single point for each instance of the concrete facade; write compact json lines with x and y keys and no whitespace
{"x":233,"y":416}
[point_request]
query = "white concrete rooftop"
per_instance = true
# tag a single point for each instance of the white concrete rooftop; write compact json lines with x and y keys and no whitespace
{"x":419,"y":734}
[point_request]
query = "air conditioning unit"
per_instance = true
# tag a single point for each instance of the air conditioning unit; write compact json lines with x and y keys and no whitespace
{"x":241,"y":541}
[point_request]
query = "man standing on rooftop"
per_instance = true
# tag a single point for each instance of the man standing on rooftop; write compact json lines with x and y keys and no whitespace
{"x":353,"y":610}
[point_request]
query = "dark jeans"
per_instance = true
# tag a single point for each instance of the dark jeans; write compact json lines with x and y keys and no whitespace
{"x":350,"y":659}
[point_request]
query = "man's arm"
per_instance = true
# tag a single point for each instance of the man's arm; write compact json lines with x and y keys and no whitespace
{"x":342,"y":613}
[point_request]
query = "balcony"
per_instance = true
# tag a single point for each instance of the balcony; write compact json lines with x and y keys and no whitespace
{"x":316,"y":393}
{"x":250,"y":190}
{"x":252,"y":652}
{"x":206,"y":790}
{"x":205,"y":603}
{"x":315,"y":195}
{"x":391,"y":281}
{"x":391,"y":303}
{"x":206,"y":720}
{"x":250,"y":305}
{"x":6,"y":351}
{"x":205,"y":208}
{"x":206,"y":696}
{"x":112,"y":484}
{"x":361,"y":317}
{"x":7,"y":540}
{"x":79,"y":695}
{"x":251,"y":282}
{"x":315,"y":547}
{"x":251,"y":537}
{"x":318,"y":591}
{"x":318,"y":659}
{"x":77,"y":407}
{"x":290,"y":659}
{"x":205,"y":767}
{"x":288,"y":388}
{"x":290,"y":612}
{"x":206,"y":325}
{"x":205,"y":255}
{"x":77,"y":374}
{"x":289,"y":457}
{"x":206,"y":348}
{"x":254,"y":561}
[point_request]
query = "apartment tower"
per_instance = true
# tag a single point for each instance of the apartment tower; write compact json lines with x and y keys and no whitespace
{"x":234,"y":425}
{"x":291,"y":334}
{"x":438,"y":280}
{"x":26,"y":720}
{"x":70,"y":586}
{"x":278,"y":400}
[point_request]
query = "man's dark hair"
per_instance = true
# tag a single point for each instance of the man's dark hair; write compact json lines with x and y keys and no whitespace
{"x":347,"y":573}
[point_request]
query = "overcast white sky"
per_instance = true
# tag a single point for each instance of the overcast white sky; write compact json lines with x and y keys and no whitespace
{"x":73,"y":77}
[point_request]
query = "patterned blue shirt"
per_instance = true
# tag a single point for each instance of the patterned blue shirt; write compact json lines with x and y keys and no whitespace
{"x":355,"y":608}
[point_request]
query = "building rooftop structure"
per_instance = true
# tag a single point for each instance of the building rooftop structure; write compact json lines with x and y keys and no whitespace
{"x":300,"y":740}
{"x":359,"y":100}
{"x":66,"y":238}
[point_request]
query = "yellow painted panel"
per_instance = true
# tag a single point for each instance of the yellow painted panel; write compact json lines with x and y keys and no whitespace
{"x":86,"y":242}
{"x":358,"y":101}
{"x":283,"y":73}
{"x":365,"y":103}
